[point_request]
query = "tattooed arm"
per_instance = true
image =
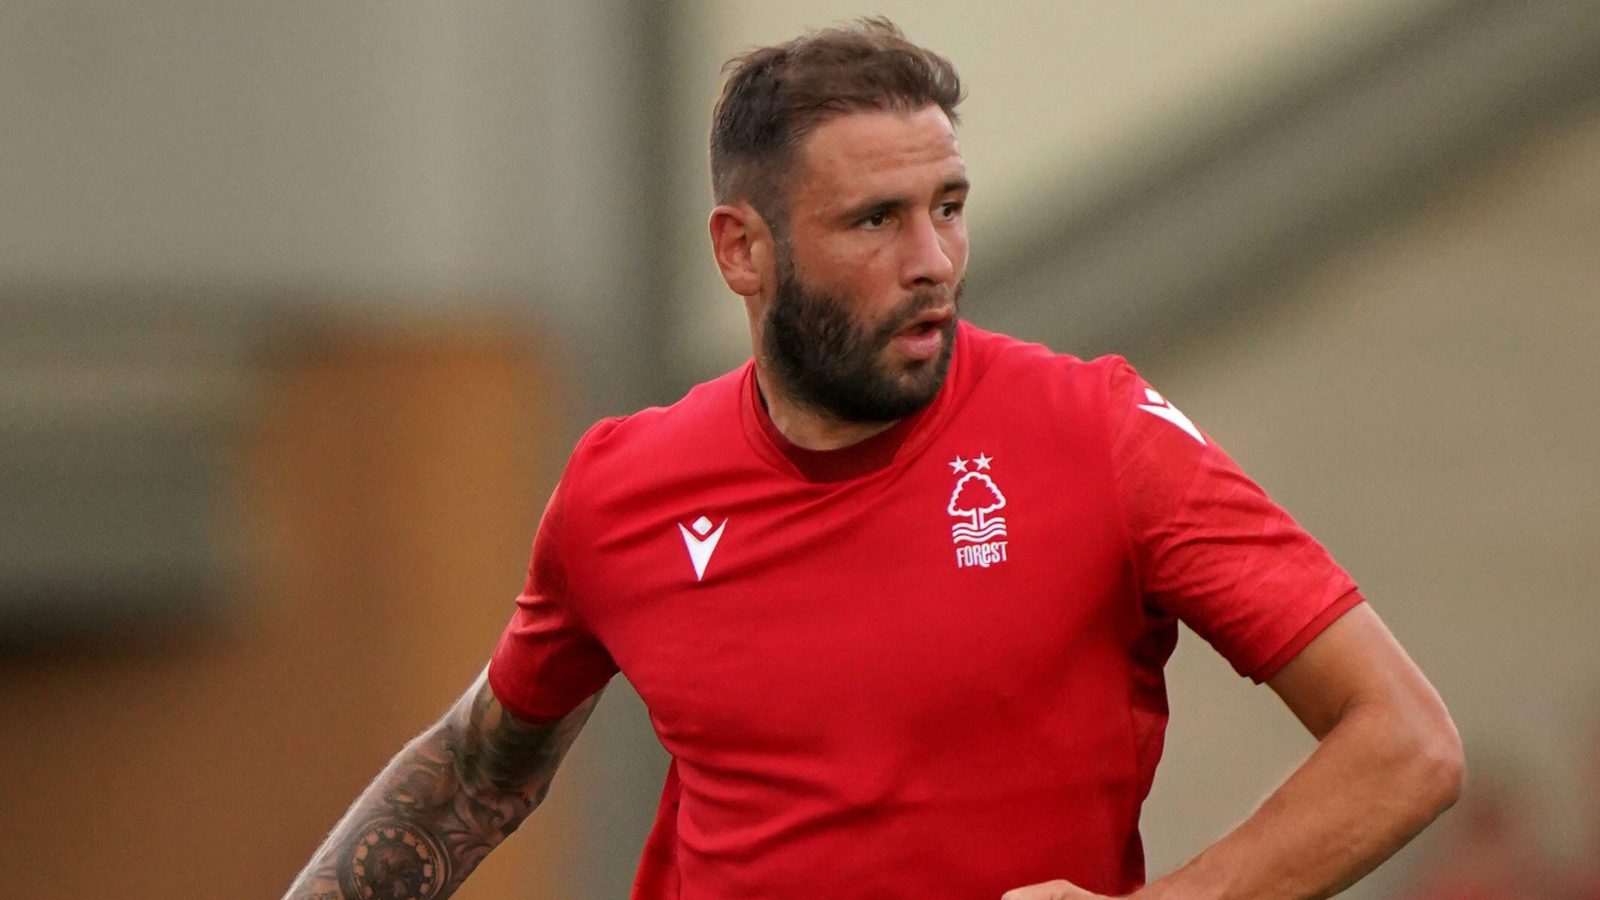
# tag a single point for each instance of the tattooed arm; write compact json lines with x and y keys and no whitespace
{"x":452,"y":795}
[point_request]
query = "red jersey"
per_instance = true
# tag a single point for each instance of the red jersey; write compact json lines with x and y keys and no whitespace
{"x":927,"y":665}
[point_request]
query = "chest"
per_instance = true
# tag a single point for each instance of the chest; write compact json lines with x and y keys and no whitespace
{"x":977,"y":574}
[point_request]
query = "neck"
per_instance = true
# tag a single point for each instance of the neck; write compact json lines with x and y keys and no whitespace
{"x":810,"y":428}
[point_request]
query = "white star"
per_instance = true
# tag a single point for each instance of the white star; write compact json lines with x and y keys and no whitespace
{"x":983,"y":461}
{"x":960,"y":465}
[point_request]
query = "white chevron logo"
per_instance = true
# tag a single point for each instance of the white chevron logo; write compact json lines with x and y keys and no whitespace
{"x":701,"y":542}
{"x":1160,"y":406}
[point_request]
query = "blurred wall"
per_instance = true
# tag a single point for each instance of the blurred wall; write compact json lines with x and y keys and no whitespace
{"x":389,"y":485}
{"x":374,"y":160}
{"x":369,"y":155}
{"x":1424,"y":405}
{"x":413,"y":148}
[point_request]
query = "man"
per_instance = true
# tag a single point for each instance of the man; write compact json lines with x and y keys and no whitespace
{"x":898,"y":592}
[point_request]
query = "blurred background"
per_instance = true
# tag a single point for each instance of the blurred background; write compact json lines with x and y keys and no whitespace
{"x":302,"y":306}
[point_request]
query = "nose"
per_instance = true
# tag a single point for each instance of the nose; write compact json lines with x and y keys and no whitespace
{"x":929,"y":258}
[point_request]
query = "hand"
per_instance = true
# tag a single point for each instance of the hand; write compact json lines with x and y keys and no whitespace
{"x":1052,"y":890}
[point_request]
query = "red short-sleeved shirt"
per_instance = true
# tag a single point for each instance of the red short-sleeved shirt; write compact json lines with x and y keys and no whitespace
{"x":926,"y":665}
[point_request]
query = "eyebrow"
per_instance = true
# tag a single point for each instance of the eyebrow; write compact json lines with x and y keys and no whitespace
{"x":955,"y":184}
{"x":889,"y":204}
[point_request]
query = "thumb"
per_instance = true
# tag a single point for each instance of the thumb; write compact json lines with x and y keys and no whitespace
{"x":1050,"y":890}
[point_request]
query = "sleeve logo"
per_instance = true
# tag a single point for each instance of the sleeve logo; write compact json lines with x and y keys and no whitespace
{"x":1160,"y":407}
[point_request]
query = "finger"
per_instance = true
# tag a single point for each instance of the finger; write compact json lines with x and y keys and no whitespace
{"x":1050,"y":890}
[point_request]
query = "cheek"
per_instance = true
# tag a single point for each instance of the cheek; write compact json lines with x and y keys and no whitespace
{"x":861,"y":272}
{"x":854,"y":258}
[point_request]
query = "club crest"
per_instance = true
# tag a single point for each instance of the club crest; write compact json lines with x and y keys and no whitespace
{"x":979,"y":532}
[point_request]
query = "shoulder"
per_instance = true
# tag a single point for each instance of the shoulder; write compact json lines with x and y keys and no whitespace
{"x":704,"y":418}
{"x":1001,"y":363}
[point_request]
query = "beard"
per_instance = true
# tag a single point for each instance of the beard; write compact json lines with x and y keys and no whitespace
{"x":829,"y":362}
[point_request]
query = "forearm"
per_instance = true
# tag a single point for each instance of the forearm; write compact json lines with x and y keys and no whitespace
{"x":440,"y":806}
{"x":415,"y":825}
{"x":1372,"y":784}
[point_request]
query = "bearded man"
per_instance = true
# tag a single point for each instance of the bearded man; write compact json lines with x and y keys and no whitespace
{"x":898,"y":592}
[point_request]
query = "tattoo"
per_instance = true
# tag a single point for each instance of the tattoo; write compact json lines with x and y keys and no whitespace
{"x":442,"y":804}
{"x":502,"y":751}
{"x":393,"y":858}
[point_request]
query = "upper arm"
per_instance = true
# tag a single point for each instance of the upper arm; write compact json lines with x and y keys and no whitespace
{"x":1208,"y":545}
{"x":496,"y":750}
{"x":1356,"y":663}
{"x":548,"y":660}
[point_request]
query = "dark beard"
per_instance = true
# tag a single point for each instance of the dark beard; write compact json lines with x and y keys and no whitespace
{"x":827,"y":362}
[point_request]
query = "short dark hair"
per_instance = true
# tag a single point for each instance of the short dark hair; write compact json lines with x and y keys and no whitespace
{"x":775,"y":96}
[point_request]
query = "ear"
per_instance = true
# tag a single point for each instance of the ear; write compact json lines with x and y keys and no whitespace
{"x":740,"y":240}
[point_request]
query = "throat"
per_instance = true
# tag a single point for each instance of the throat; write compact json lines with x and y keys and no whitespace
{"x":807,"y":428}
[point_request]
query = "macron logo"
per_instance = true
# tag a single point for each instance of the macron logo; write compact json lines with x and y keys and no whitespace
{"x":1159,"y":406}
{"x":701,"y":541}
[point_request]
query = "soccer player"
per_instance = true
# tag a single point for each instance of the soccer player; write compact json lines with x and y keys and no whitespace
{"x":898,"y":591}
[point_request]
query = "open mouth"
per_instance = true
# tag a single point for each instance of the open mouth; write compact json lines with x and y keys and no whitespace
{"x":923,"y":336}
{"x":927,"y":323}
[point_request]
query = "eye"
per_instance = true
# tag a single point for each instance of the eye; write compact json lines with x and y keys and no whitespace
{"x":875,"y":220}
{"x":950,"y":209}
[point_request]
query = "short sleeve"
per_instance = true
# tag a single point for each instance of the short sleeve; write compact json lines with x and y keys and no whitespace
{"x":547,"y":661}
{"x":1211,"y":548}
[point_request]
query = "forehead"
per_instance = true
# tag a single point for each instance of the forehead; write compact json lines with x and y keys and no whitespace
{"x":875,"y":151}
